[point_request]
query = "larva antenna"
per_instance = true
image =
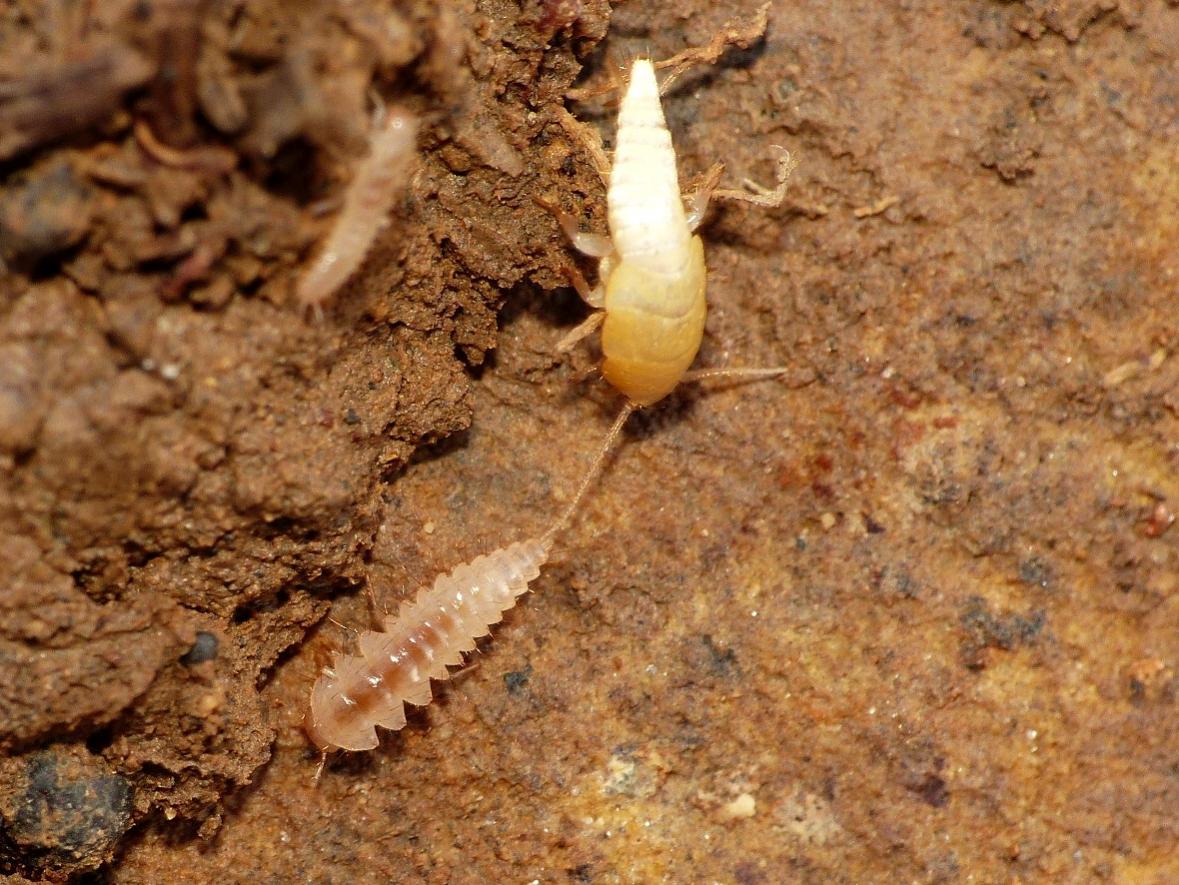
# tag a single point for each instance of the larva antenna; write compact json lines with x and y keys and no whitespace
{"x":323,"y":758}
{"x":599,"y":461}
{"x":730,"y":35}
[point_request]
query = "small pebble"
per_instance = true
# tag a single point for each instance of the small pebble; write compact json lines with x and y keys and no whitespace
{"x":66,"y":813}
{"x":744,"y":806}
{"x":203,"y":649}
{"x":43,"y":213}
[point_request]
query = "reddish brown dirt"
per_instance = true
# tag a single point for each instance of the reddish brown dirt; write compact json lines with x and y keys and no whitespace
{"x":913,"y":615}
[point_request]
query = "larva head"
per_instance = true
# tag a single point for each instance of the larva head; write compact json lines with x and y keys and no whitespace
{"x":643,"y":85}
{"x":338,"y":717}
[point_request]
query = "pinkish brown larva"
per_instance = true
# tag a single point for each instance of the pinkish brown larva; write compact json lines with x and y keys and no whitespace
{"x":379,"y":179}
{"x":394,"y":667}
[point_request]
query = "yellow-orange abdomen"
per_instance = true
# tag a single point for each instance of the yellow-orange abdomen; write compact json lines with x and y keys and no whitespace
{"x":653,"y":327}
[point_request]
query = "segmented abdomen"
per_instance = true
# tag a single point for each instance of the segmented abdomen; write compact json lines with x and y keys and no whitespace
{"x":394,"y":667}
{"x":655,"y":286}
{"x":644,"y":208}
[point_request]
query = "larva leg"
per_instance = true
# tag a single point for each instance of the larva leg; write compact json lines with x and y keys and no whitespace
{"x":589,"y":244}
{"x":751,"y":374}
{"x":741,"y":375}
{"x":697,"y":201}
{"x":594,"y":245}
{"x":757,"y":194}
{"x":323,"y":758}
{"x":594,"y":296}
{"x":770,"y":197}
{"x":582,"y":330}
{"x":377,"y":610}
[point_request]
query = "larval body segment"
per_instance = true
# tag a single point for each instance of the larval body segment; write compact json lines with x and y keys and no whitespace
{"x":379,"y":180}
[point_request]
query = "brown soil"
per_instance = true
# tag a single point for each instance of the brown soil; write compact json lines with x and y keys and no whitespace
{"x":913,"y":615}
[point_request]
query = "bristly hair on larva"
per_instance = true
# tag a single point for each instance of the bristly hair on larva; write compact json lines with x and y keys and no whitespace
{"x":378,"y":181}
{"x":357,"y":693}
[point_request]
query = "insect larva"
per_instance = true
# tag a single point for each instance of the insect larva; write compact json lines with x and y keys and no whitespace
{"x":650,"y":298}
{"x":655,"y":279}
{"x":394,"y":667}
{"x":378,"y":181}
{"x":650,"y":295}
{"x":653,"y":306}
{"x":428,"y":635}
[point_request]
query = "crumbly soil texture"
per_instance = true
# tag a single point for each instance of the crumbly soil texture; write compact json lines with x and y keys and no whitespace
{"x":908,"y":613}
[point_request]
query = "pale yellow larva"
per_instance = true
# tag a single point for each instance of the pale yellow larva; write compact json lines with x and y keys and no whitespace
{"x":655,"y":279}
{"x":652,"y":276}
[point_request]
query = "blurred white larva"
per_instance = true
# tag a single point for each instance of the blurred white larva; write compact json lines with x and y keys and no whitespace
{"x":380,"y":178}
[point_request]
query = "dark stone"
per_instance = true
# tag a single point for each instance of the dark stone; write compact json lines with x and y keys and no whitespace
{"x":203,"y":649}
{"x":65,"y":812}
{"x":43,"y":213}
{"x":515,"y":681}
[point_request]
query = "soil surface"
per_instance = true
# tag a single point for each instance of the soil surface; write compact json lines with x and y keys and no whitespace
{"x":909,"y":614}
